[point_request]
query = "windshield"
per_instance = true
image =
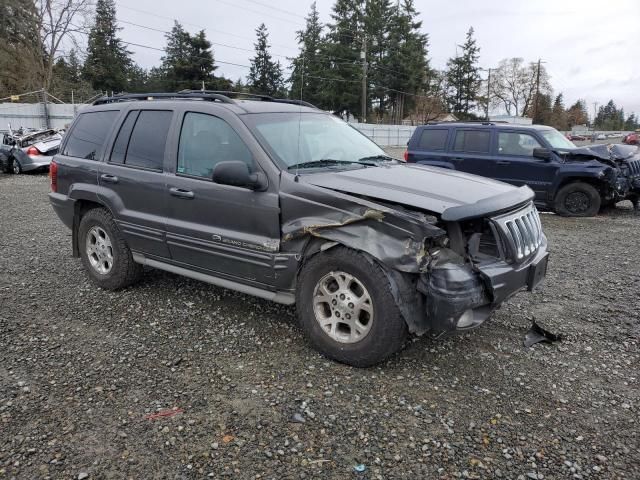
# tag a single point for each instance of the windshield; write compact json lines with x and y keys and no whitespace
{"x":312,"y":137}
{"x":557,"y":140}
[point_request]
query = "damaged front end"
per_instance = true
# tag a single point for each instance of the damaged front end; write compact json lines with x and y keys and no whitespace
{"x":621,"y":180}
{"x":447,"y":270}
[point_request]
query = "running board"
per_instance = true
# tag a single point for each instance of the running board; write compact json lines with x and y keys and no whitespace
{"x":279,"y":297}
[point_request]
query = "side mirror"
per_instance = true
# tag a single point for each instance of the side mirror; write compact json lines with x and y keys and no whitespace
{"x":237,"y":174}
{"x":543,"y":153}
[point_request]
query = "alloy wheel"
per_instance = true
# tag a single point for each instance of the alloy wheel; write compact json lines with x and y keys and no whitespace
{"x":99,"y":250}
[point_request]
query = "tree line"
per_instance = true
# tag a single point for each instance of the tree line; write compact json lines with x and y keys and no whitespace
{"x":375,"y":47}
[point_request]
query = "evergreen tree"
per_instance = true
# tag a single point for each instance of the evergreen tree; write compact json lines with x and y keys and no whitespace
{"x":463,"y":78}
{"x":407,"y":67}
{"x":377,"y":29}
{"x":631,"y":123}
{"x":107,"y":60}
{"x":559,"y":118}
{"x":341,"y":53}
{"x":307,"y":66}
{"x":20,"y":51}
{"x":67,"y":82}
{"x":265,"y":75}
{"x":609,"y":117}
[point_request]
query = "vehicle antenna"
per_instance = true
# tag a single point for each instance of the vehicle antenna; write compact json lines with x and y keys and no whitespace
{"x":300,"y":113}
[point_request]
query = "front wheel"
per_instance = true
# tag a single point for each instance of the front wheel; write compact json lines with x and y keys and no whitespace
{"x":104,"y":253}
{"x":578,"y":199}
{"x":346,"y":309}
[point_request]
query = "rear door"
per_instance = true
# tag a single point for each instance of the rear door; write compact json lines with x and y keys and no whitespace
{"x":429,"y":147}
{"x":233,"y":232}
{"x":470,"y":151}
{"x":517,"y":165}
{"x":132,"y":182}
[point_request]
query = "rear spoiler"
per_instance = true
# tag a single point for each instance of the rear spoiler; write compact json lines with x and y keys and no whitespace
{"x":492,"y":205}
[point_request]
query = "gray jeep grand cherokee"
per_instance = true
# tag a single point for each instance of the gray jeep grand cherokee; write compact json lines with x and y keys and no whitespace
{"x":277,"y":199}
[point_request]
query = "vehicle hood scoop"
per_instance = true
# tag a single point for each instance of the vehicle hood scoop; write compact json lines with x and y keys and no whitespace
{"x":429,"y":188}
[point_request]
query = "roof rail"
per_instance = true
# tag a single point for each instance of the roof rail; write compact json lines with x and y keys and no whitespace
{"x":250,"y":96}
{"x":185,"y":95}
{"x":480,"y":122}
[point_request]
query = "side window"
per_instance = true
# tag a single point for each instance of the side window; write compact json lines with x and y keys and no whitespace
{"x":205,"y":141}
{"x":433,"y":139}
{"x":148,"y":139}
{"x":119,"y":150}
{"x":87,"y":137}
{"x":521,"y":144}
{"x":472,"y":141}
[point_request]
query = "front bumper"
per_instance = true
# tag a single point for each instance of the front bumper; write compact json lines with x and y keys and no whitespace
{"x":461,"y":296}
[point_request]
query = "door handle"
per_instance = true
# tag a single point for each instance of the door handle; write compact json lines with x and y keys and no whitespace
{"x":503,"y":162}
{"x":458,"y":159}
{"x":181,"y":193}
{"x":109,"y":178}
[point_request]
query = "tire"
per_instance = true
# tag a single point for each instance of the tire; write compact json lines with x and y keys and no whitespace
{"x":104,"y":252}
{"x":578,"y":199}
{"x":17,"y":168}
{"x":381,"y":329}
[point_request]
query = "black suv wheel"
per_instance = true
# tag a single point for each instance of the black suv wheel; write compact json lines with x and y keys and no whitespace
{"x":346,"y":309}
{"x":578,"y":199}
{"x":104,"y":253}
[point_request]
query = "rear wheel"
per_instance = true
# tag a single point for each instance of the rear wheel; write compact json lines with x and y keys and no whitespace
{"x":346,"y":309}
{"x":17,"y":168}
{"x":104,"y":253}
{"x":578,"y":199}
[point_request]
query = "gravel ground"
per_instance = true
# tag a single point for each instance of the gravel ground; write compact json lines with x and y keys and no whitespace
{"x":81,"y":369}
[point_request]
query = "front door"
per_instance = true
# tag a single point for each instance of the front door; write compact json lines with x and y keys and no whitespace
{"x":230,"y":231}
{"x":517,"y":165}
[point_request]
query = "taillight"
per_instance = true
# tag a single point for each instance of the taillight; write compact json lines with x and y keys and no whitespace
{"x":33,"y":151}
{"x":406,"y":155}
{"x":53,"y":176}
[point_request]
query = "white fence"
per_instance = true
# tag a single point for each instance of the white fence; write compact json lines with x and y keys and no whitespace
{"x":33,"y":115}
{"x":386,"y":135}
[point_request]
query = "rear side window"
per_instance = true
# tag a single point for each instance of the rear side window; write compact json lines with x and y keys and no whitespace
{"x":87,"y":137}
{"x":433,"y":139}
{"x":472,"y":141}
{"x":148,"y":139}
{"x":142,"y":138}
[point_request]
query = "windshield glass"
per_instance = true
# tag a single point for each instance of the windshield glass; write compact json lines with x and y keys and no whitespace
{"x":557,"y":140}
{"x":309,"y":137}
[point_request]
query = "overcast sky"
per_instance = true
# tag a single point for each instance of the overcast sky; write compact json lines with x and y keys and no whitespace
{"x":590,"y":47}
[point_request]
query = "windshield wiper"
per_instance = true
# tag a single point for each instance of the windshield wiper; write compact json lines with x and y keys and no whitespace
{"x":321,"y":163}
{"x":384,"y":158}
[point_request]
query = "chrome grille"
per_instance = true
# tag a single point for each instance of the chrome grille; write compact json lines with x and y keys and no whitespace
{"x":520,"y":232}
{"x":634,"y":167}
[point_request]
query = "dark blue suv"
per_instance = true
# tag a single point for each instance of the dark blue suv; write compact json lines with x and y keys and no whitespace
{"x":569,"y":180}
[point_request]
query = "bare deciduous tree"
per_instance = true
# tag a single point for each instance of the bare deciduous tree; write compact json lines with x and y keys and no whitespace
{"x":513,"y":85}
{"x":60,"y":21}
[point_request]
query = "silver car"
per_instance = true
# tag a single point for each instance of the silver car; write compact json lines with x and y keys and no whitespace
{"x":24,"y":151}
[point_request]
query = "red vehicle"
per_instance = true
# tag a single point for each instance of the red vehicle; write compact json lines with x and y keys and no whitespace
{"x":632,"y":139}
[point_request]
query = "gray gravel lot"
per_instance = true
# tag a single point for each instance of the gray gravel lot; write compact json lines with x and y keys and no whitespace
{"x":81,"y":368}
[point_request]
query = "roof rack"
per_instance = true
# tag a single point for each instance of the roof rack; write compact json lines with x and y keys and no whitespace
{"x":480,"y":122}
{"x":251,"y":96}
{"x":131,"y":97}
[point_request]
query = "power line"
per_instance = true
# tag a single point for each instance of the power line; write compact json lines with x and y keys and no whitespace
{"x":275,"y":8}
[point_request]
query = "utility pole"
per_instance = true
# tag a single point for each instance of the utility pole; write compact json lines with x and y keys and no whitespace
{"x":535,"y":110}
{"x":488,"y":93}
{"x":363,"y":57}
{"x":595,"y":114}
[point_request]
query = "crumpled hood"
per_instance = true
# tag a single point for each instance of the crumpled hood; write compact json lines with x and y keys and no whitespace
{"x":429,"y":188}
{"x":604,"y":152}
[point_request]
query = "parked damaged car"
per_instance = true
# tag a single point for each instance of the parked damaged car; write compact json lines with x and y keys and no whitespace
{"x":569,"y":180}
{"x":28,"y":150}
{"x":277,"y":199}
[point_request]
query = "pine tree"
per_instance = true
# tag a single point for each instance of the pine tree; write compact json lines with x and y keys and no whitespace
{"x":463,"y":78}
{"x":67,"y":82}
{"x":341,"y":92}
{"x":308,"y":65}
{"x":577,"y":114}
{"x":20,"y":52}
{"x":107,"y":60}
{"x":265,"y":76}
{"x":406,"y":66}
